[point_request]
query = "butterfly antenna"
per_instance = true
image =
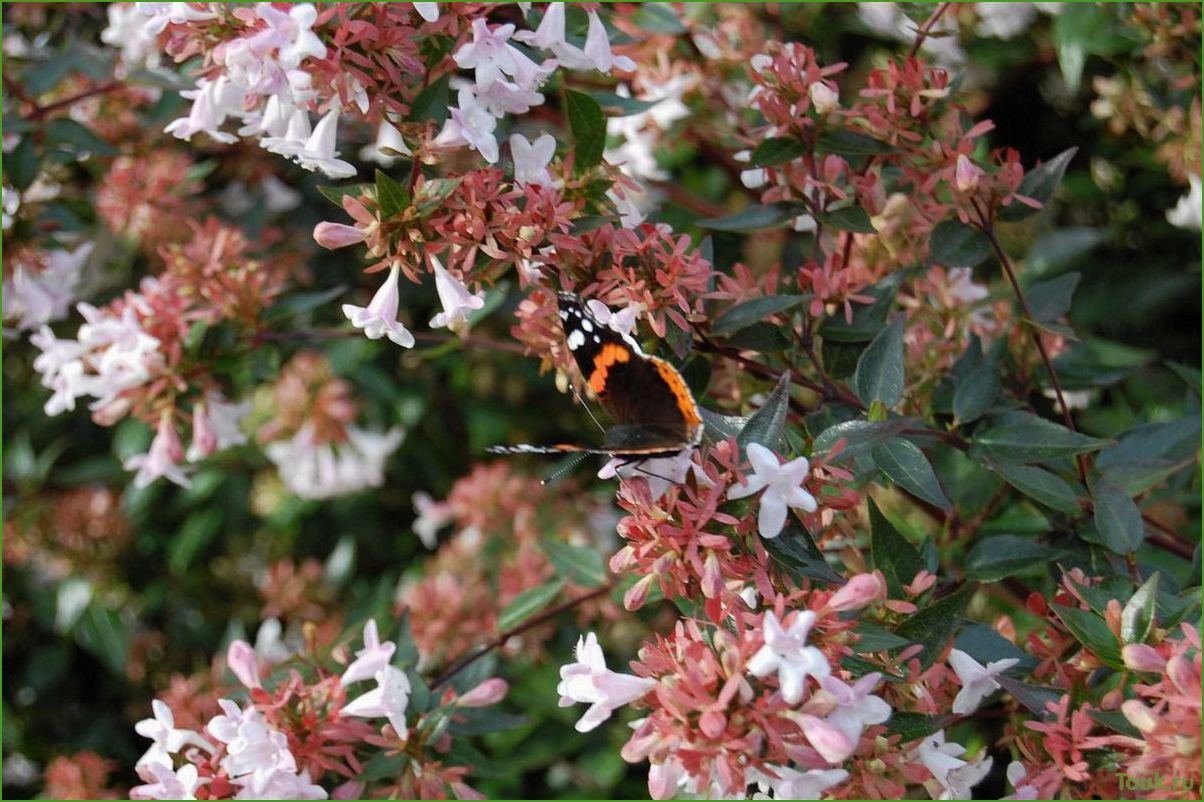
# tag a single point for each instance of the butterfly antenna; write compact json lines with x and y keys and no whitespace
{"x":563,"y":469}
{"x":639,"y":468}
{"x":588,"y":411}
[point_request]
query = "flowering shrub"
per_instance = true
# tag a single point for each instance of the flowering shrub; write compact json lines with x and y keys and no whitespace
{"x":276,"y":275}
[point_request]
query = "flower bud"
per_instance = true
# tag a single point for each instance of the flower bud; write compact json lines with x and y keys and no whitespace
{"x":1139,"y":715}
{"x":240,"y":657}
{"x":830,"y":742}
{"x":1184,"y":674}
{"x":824,"y":98}
{"x":1140,"y":657}
{"x":712,"y":723}
{"x":352,"y":789}
{"x":336,"y":235}
{"x":634,"y":598}
{"x":167,"y":439}
{"x":858,"y":592}
{"x":967,"y":174}
{"x":712,"y":577}
{"x":204,"y":436}
{"x":489,"y":692}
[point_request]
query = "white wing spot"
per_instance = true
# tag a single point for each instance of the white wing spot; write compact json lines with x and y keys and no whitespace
{"x":585,"y":324}
{"x":576,"y":340}
{"x":597,"y":339}
{"x":564,"y":315}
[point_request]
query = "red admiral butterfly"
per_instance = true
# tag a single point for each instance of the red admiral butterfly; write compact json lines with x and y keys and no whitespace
{"x":654,"y":413}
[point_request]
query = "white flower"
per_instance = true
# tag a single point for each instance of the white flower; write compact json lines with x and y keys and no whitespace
{"x":161,"y":14}
{"x":292,"y":32}
{"x":319,"y":471}
{"x":1187,"y":212}
{"x":471,"y":123}
{"x":428,"y":11}
{"x":661,"y":473}
{"x":225,"y":419}
{"x":588,"y":680}
{"x":269,"y":643}
{"x":165,"y":783}
{"x":164,"y":458}
{"x":34,"y":297}
{"x":531,"y":159}
{"x":388,"y":699}
{"x":795,"y":784}
{"x":210,"y":107}
{"x":254,"y":751}
{"x":506,"y":97}
{"x":296,"y":135}
{"x":386,"y":137}
{"x":379,"y":317}
{"x":168,"y":740}
{"x":1016,"y":775}
{"x":597,"y":48}
{"x":432,"y":516}
{"x":823,"y":97}
{"x":127,"y":30}
{"x":754,"y":178}
{"x":636,"y":156}
{"x":630,"y":213}
{"x":856,"y":707}
{"x":491,"y":56}
{"x":12,"y":204}
{"x":955,"y":776}
{"x":458,"y":302}
{"x":371,"y":659}
{"x":978,"y":682}
{"x":284,"y":785}
{"x":1004,"y":20}
{"x":782,"y":484}
{"x":622,"y":321}
{"x":319,"y":154}
{"x":786,"y":652}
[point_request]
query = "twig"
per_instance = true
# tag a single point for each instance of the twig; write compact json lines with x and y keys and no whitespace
{"x":926,"y":28}
{"x":497,"y":642}
{"x":40,"y":112}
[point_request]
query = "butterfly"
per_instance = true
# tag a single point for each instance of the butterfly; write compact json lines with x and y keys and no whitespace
{"x":654,"y":413}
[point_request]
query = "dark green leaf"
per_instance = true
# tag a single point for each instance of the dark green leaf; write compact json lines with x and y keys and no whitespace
{"x":1092,"y":632}
{"x":774,"y":151}
{"x":1149,"y":453}
{"x":843,"y":142}
{"x":879,"y":374}
{"x":749,"y":312}
{"x":1050,"y":300}
{"x":1035,"y":697}
{"x":850,"y":218}
{"x":975,"y":384}
{"x":767,"y":425}
{"x":873,"y":638}
{"x":105,"y":634}
{"x":1039,"y":183}
{"x":957,"y":244}
{"x":527,"y":604}
{"x":906,"y":465}
{"x":913,"y":726}
{"x":1040,"y":485}
{"x":893,"y":555}
{"x":22,"y":164}
{"x":1115,"y":721}
{"x":619,"y":106}
{"x":1117,"y":518}
{"x":384,"y":766}
{"x":392,"y":196}
{"x":1137,"y":617}
{"x":81,"y":138}
{"x":1002,"y":556}
{"x":795,"y":551}
{"x":48,"y":74}
{"x":1062,"y":246}
{"x":577,"y":564}
{"x":482,"y":720}
{"x":589,"y":129}
{"x":987,"y":646}
{"x":868,"y":319}
{"x":860,"y":436}
{"x":336,"y":194}
{"x":407,"y":650}
{"x":431,"y":104}
{"x":197,"y":532}
{"x":1018,"y":436}
{"x":657,"y":18}
{"x":1187,"y":373}
{"x":721,"y":427}
{"x":300,"y":302}
{"x":934,"y":625}
{"x":764,"y":338}
{"x":754,"y":218}
{"x":1076,"y":36}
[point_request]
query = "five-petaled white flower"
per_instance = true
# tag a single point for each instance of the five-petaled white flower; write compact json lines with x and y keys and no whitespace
{"x":855,"y":708}
{"x":458,"y":302}
{"x":473,"y":123}
{"x":787,"y":653}
{"x":379,"y":317}
{"x":794,"y":784}
{"x":370,"y":659}
{"x":622,"y":321}
{"x":168,"y":740}
{"x":531,"y":159}
{"x":589,"y":680}
{"x":782,"y":485}
{"x":318,"y":153}
{"x":491,"y":56}
{"x":388,"y":699}
{"x":978,"y":681}
{"x":165,"y":783}
{"x":955,"y":776}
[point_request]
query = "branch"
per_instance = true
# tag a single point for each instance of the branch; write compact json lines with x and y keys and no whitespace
{"x":926,"y":28}
{"x":497,"y":642}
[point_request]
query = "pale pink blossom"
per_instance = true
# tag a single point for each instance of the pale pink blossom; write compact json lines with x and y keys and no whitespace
{"x":163,"y":459}
{"x":531,"y":159}
{"x":491,"y":56}
{"x":388,"y":699}
{"x":955,"y":777}
{"x":371,"y":659}
{"x":379,"y":317}
{"x":337,"y":235}
{"x":589,"y":681}
{"x":823,"y":97}
{"x":458,"y":302}
{"x":319,"y":154}
{"x":167,"y":739}
{"x":473,"y":124}
{"x":165,"y":783}
{"x":786,"y":653}
{"x":858,"y":592}
{"x":489,"y":692}
{"x":241,"y":659}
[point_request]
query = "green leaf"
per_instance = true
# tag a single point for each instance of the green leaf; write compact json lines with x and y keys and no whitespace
{"x":577,"y":564}
{"x":850,"y":218}
{"x":860,"y":436}
{"x":300,"y":302}
{"x":934,"y":625}
{"x":1035,"y":697}
{"x":1039,"y":183}
{"x":407,"y":650}
{"x":1062,"y":246}
{"x":956,"y":244}
{"x":1076,"y":36}
{"x":844,"y":142}
{"x":527,"y":604}
{"x":336,"y":194}
{"x":987,"y":646}
{"x":747,"y":313}
{"x":1041,"y":486}
{"x":432,"y":103}
{"x":1149,"y":453}
{"x":1137,"y":617}
{"x":904,"y":462}
{"x":197,"y":532}
{"x":913,"y":726}
{"x":1117,"y":518}
{"x":975,"y":383}
{"x":432,"y":193}
{"x":49,"y":74}
{"x":1050,"y":300}
{"x":1189,"y":374}
{"x":873,"y":638}
{"x":391,"y":195}
{"x":384,"y":765}
{"x":657,"y":18}
{"x":589,"y":130}
{"x":82,"y":139}
{"x":721,"y":427}
{"x":1002,"y":556}
{"x":776,"y":150}
{"x":22,"y":164}
{"x":71,"y":600}
{"x":484,"y":720}
{"x":796,"y":552}
{"x":618,"y":106}
{"x":868,"y":319}
{"x":893,"y":554}
{"x":768,"y":424}
{"x":879,"y":374}
{"x":754,"y":218}
{"x":104,"y":633}
{"x":1115,"y":721}
{"x":1092,"y":632}
{"x":1019,"y":436}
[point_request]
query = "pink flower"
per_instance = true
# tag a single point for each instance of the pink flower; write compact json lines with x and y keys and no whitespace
{"x":597,"y":48}
{"x":531,"y":159}
{"x":241,"y":659}
{"x":370,"y":659}
{"x":489,"y":692}
{"x":966,"y":174}
{"x":337,"y":235}
{"x":589,"y":681}
{"x":1140,"y":657}
{"x":782,"y":485}
{"x":379,"y":317}
{"x":856,"y":707}
{"x":832,"y":743}
{"x":786,"y":653}
{"x":204,"y":437}
{"x":859,"y":591}
{"x":823,"y":97}
{"x":164,"y":458}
